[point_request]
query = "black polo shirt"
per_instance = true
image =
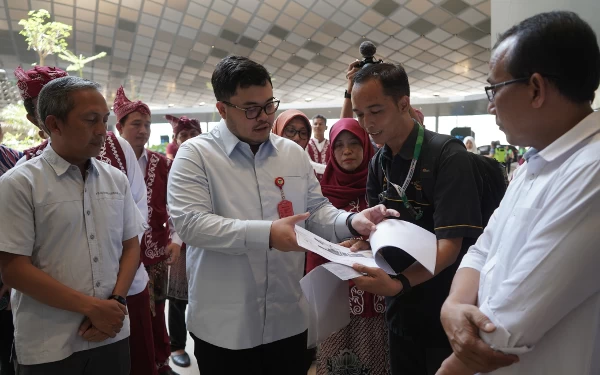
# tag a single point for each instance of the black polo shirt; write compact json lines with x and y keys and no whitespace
{"x":453,"y":212}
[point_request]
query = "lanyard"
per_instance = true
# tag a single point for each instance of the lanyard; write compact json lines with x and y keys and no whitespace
{"x":401,"y":190}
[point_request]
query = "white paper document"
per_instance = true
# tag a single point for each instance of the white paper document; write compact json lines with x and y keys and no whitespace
{"x":412,"y":239}
{"x":327,"y":298}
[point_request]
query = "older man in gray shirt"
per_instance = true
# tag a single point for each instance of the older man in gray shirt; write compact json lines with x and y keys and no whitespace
{"x":68,"y":242}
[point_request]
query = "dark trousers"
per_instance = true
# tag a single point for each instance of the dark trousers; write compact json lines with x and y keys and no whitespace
{"x":177,"y":327}
{"x":6,"y":340}
{"x":285,"y":356}
{"x":143,"y":361}
{"x":414,"y":356}
{"x":110,"y":359}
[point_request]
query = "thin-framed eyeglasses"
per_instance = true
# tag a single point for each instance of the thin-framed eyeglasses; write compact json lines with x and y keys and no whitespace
{"x":491,"y":90}
{"x":254,"y":111}
{"x":290,"y":132}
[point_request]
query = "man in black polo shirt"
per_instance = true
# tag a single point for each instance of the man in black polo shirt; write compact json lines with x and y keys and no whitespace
{"x":380,"y":99}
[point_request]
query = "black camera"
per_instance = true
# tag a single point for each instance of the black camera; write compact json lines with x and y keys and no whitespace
{"x":367,"y":50}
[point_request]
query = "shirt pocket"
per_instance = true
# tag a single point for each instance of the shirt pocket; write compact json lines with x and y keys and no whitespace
{"x":109,"y":224}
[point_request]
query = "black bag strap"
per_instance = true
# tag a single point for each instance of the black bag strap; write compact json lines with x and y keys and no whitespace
{"x":433,"y":147}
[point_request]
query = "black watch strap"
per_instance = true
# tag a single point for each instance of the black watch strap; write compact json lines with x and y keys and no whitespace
{"x":119,"y":299}
{"x":347,"y":94}
{"x":406,"y":287}
{"x":349,"y":225}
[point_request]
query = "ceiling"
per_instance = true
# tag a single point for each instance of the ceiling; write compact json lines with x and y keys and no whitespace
{"x":165,"y":51}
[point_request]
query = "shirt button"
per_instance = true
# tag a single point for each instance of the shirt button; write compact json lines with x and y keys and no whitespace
{"x":95,"y":259}
{"x":97,"y":283}
{"x":92,"y":237}
{"x":88,"y":212}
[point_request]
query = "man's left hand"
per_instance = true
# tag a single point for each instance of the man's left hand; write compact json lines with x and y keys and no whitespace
{"x":365,"y":221}
{"x":173,"y":252}
{"x":376,"y":281}
{"x":90,"y":333}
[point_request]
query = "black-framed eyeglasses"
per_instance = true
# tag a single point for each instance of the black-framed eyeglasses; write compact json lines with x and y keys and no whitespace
{"x":254,"y":111}
{"x":290,"y":132}
{"x":491,"y":90}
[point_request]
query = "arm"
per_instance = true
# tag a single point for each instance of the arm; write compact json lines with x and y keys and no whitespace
{"x":191,"y":211}
{"x":19,"y":273}
{"x":128,"y":265}
{"x":347,"y":105}
{"x":447,"y":253}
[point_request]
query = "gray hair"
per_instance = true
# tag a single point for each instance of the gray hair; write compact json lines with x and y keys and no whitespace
{"x":55,"y":98}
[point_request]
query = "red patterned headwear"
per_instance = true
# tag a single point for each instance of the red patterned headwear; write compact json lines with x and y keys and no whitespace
{"x":183,"y":123}
{"x":30,"y":82}
{"x":123,"y":106}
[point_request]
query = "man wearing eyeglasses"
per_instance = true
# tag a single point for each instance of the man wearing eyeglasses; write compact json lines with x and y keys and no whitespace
{"x":235,"y":195}
{"x":526,"y":297}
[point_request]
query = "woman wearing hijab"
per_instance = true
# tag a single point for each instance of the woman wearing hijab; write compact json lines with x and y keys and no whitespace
{"x":295,"y":126}
{"x":470,"y":145}
{"x":361,"y":347}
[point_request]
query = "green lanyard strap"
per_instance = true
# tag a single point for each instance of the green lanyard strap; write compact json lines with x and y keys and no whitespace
{"x":401,"y":190}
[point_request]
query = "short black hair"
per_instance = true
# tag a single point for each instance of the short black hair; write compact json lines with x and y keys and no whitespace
{"x":234,"y":71}
{"x":392,"y":77}
{"x":561,"y":47}
{"x":29,"y":107}
{"x":321,"y":117}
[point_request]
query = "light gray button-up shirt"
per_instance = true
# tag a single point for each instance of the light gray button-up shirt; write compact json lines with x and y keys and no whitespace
{"x":73,"y":230}
{"x":222,"y":200}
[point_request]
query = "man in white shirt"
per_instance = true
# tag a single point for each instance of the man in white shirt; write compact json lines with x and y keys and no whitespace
{"x":234,"y":196}
{"x":526,"y":298}
{"x":69,"y":242}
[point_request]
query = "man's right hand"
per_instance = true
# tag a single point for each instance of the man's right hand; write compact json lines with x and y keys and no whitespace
{"x":107,"y":316}
{"x":283,"y":235}
{"x":352,"y":70}
{"x":462,"y":323}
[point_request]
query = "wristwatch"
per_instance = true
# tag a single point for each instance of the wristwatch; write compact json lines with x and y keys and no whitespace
{"x":347,"y":94}
{"x":119,"y":299}
{"x":405,"y":284}
{"x":349,"y":225}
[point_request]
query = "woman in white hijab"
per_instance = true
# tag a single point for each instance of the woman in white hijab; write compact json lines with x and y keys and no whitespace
{"x":470,"y":145}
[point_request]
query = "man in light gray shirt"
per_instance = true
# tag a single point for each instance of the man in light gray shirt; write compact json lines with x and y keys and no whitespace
{"x":68,"y":242}
{"x":227,"y":195}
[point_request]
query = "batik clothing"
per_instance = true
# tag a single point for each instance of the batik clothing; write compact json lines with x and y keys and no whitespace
{"x":154,"y":255}
{"x":350,"y":351}
{"x":318,"y":152}
{"x":8,"y":158}
{"x":361,"y":347}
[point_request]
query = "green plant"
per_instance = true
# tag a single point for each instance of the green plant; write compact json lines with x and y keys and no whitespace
{"x":78,"y":62}
{"x":14,"y":117}
{"x":20,"y":141}
{"x":162,"y":148}
{"x":42,"y":36}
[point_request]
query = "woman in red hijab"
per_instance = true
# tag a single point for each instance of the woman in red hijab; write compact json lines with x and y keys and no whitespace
{"x":361,"y":347}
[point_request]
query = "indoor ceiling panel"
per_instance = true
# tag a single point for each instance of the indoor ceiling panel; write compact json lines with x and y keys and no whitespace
{"x":305,"y":43}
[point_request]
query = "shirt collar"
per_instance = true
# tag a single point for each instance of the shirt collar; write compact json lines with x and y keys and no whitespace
{"x":586,"y":128}
{"x":230,"y":140}
{"x":408,"y":148}
{"x":60,"y":165}
{"x":144,"y":155}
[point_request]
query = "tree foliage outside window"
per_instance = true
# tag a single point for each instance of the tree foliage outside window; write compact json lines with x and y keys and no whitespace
{"x":43,"y":36}
{"x":78,"y":61}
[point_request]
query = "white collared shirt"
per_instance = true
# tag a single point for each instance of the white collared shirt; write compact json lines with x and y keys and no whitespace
{"x":138,"y":191}
{"x":222,"y":200}
{"x":538,"y":260}
{"x":73,"y":230}
{"x":320,"y":145}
